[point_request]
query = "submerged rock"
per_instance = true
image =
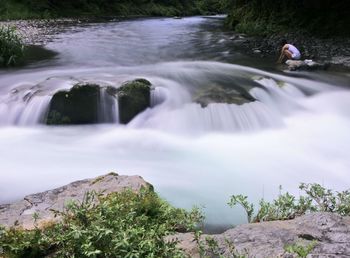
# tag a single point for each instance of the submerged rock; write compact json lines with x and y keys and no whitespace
{"x":43,"y":204}
{"x":329,"y":232}
{"x":218,"y":94}
{"x":133,"y":98}
{"x":79,"y":105}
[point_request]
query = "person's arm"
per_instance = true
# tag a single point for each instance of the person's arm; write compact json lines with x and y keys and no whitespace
{"x":280,"y":59}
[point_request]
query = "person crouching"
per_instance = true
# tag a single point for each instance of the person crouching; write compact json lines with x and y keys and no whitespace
{"x":288,"y":51}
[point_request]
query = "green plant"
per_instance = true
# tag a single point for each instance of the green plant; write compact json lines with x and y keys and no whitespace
{"x":209,"y":247}
{"x":287,"y":206}
{"x":125,"y":224}
{"x":301,"y":250}
{"x":11,"y":46}
{"x":243,"y":201}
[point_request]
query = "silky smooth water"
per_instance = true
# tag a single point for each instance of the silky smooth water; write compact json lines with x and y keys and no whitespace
{"x":296,"y":131}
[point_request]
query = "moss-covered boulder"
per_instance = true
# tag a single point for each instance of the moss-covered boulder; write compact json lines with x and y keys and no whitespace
{"x":220,"y":94}
{"x":79,"y":105}
{"x":133,"y":98}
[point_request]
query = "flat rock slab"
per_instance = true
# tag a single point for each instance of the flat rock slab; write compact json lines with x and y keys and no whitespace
{"x":295,"y":65}
{"x":268,"y":239}
{"x":21,"y":213}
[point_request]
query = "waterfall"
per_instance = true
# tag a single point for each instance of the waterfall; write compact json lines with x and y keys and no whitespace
{"x":28,"y":108}
{"x":172,"y":108}
{"x":108,"y":107}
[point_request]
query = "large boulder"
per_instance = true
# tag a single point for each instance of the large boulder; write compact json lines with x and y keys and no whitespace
{"x":133,"y":98}
{"x":329,"y":233}
{"x":79,"y":105}
{"x":91,"y":103}
{"x":219,"y":94}
{"x":43,"y":204}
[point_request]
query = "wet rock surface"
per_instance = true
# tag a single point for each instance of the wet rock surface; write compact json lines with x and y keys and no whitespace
{"x":80,"y":105}
{"x":133,"y":98}
{"x":43,"y":204}
{"x":92,"y":103}
{"x":330,"y":233}
{"x":218,"y":94}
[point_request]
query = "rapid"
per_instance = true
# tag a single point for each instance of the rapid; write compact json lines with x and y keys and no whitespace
{"x":296,"y":130}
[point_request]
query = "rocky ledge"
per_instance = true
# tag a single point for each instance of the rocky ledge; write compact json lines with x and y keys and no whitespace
{"x":329,"y":233}
{"x":43,"y":204}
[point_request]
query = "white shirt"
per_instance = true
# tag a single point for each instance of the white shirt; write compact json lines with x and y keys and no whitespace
{"x":295,"y":52}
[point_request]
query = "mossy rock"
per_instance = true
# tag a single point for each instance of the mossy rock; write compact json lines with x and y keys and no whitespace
{"x":219,"y":94}
{"x":133,"y":98}
{"x":79,"y":105}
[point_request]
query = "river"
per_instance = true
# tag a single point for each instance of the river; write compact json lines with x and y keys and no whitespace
{"x":296,"y":131}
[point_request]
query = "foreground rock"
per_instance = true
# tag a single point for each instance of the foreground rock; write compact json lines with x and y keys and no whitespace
{"x":331,"y":234}
{"x":21,"y":213}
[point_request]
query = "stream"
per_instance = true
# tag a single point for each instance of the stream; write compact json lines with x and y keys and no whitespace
{"x":296,"y":131}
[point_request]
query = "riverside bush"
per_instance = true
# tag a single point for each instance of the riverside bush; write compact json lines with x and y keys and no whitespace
{"x":287,"y":206}
{"x":11,"y":46}
{"x":125,"y":224}
{"x":27,"y":9}
{"x":271,"y":16}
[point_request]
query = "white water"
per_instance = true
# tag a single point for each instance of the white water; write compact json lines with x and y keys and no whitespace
{"x":192,"y":155}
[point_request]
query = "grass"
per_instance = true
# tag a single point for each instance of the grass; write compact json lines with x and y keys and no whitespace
{"x":11,"y":46}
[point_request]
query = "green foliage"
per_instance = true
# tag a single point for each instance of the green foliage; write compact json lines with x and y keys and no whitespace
{"x":125,"y":224}
{"x":243,"y":201}
{"x":24,"y":9}
{"x":264,"y":17}
{"x":211,"y":6}
{"x":11,"y":47}
{"x":286,"y":206}
{"x":209,"y":247}
{"x":301,"y":250}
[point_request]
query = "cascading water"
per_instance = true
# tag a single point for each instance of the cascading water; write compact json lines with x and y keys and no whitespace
{"x":296,"y":129}
{"x":170,"y":98}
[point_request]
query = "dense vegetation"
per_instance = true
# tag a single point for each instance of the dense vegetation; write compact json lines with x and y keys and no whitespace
{"x":287,"y":206}
{"x":324,"y":17}
{"x":11,"y":47}
{"x":126,"y":224}
{"x":21,"y":9}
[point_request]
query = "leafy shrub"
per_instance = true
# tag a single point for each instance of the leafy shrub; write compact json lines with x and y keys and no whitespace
{"x":125,"y":224}
{"x":11,"y":46}
{"x":286,"y":206}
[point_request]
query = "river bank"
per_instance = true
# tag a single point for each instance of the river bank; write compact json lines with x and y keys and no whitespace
{"x":335,"y":51}
{"x":41,"y":31}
